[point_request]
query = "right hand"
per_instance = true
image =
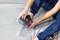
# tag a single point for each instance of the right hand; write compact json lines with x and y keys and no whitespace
{"x":22,"y":14}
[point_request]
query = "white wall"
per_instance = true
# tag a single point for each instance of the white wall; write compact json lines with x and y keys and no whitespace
{"x":12,"y":1}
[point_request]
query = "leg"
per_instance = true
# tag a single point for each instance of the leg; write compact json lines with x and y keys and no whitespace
{"x":35,"y":7}
{"x":50,"y":30}
{"x":55,"y":27}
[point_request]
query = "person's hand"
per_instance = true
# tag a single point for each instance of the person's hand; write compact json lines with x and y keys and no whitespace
{"x":22,"y":14}
{"x":34,"y":38}
{"x":33,"y":24}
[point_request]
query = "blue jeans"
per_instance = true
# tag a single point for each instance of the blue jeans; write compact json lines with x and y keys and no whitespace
{"x":53,"y":28}
{"x":38,"y":3}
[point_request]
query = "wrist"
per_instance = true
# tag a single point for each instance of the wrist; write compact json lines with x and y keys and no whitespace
{"x":26,"y":9}
{"x":37,"y":22}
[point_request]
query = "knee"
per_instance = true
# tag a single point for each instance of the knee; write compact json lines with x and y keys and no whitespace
{"x":41,"y":36}
{"x":36,"y":5}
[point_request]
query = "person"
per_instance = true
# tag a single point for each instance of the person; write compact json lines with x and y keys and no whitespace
{"x":53,"y":7}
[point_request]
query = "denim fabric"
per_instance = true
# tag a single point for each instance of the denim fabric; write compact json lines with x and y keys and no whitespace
{"x":53,"y":28}
{"x":38,"y":3}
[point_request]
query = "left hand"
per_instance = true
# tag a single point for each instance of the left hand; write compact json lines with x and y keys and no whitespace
{"x":33,"y":24}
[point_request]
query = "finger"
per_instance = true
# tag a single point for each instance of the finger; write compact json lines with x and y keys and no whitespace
{"x":18,"y":18}
{"x":19,"y":15}
{"x":30,"y":26}
{"x":24,"y":16}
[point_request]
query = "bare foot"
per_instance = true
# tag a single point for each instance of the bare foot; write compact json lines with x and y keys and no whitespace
{"x":34,"y":38}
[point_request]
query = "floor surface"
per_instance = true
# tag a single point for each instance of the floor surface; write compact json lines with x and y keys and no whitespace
{"x":9,"y":27}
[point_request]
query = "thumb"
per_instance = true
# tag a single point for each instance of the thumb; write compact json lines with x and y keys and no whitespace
{"x":19,"y":17}
{"x":24,"y":16}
